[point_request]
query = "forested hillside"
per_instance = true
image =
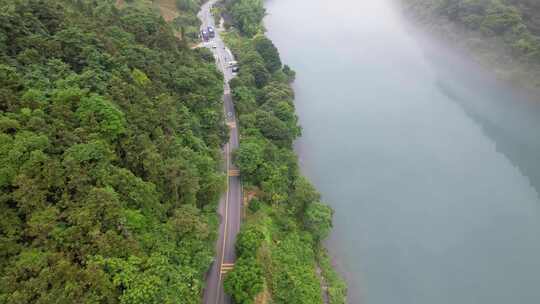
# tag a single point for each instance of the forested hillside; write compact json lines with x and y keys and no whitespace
{"x":530,"y":11}
{"x":279,"y":246}
{"x":110,"y":163}
{"x":503,"y":33}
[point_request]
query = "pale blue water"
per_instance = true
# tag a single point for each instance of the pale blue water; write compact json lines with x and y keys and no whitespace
{"x":430,"y":166}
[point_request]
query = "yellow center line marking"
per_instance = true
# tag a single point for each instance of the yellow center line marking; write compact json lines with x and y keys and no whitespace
{"x":225,"y":268}
{"x":226,"y":219}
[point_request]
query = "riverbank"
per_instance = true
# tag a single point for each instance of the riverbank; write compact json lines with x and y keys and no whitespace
{"x":507,"y":49}
{"x":279,"y":246}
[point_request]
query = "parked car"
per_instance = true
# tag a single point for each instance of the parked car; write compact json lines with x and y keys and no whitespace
{"x":204,"y":35}
{"x":211,"y":32}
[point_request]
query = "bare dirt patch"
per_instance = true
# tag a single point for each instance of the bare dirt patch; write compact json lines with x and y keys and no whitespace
{"x":168,"y":9}
{"x":263,"y":297}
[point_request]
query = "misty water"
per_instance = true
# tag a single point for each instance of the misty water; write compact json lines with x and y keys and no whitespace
{"x":431,"y":165}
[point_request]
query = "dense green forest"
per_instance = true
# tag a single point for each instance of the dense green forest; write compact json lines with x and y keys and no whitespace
{"x":279,"y":246}
{"x":505,"y":32}
{"x":110,"y":162}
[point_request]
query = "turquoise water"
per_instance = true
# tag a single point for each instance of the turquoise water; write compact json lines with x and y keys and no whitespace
{"x":430,"y":165}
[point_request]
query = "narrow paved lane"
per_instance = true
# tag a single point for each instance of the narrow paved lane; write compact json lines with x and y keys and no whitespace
{"x":231,"y":203}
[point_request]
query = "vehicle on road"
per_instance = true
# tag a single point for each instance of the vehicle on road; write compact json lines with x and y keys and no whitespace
{"x":214,"y":46}
{"x":234,"y":66}
{"x":211,"y":32}
{"x":204,"y":35}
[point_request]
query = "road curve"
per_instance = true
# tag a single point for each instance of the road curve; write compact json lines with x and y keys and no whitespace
{"x":231,"y":202}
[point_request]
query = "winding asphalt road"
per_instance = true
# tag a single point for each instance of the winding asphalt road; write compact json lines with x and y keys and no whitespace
{"x":230,"y":205}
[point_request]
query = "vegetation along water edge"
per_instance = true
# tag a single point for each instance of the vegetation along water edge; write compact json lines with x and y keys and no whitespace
{"x":280,"y":244}
{"x":503,"y":35}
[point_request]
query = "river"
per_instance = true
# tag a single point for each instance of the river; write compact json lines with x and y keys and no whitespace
{"x":432,"y":167}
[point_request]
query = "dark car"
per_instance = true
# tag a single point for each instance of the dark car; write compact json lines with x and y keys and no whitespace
{"x":211,"y":32}
{"x":204,"y":35}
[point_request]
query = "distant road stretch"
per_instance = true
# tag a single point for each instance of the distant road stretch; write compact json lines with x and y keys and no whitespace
{"x":231,"y":203}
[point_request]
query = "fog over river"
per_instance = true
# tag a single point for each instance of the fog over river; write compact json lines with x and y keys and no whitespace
{"x":432,"y":167}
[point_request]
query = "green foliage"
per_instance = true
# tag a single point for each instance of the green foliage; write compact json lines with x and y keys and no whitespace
{"x":151,"y":280}
{"x":254,"y":205}
{"x":205,"y":54}
{"x":249,"y":240}
{"x":291,"y":75}
{"x":187,"y":22}
{"x":140,"y":77}
{"x":337,"y":288}
{"x":318,"y":220}
{"x":110,"y":138}
{"x":498,"y":18}
{"x":247,"y":15}
{"x":503,"y":35}
{"x":297,"y":282}
{"x":188,"y":5}
{"x":303,"y":195}
{"x":100,"y":116}
{"x":46,"y":277}
{"x":268,"y":51}
{"x":249,"y":157}
{"x":244,"y":99}
{"x":286,"y":222}
{"x":245,"y":281}
{"x":274,"y":128}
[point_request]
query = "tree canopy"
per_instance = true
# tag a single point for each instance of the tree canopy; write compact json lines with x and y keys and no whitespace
{"x":245,"y":281}
{"x":503,"y":33}
{"x":110,"y":162}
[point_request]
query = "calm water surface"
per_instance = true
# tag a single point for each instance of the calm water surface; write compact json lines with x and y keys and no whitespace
{"x":431,"y":166}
